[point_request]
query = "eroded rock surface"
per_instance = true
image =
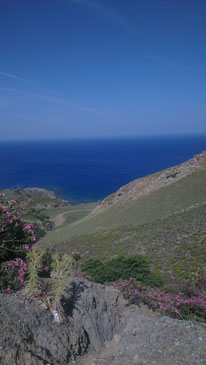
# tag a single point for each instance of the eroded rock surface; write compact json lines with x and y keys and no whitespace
{"x":100,"y":329}
{"x":29,"y":335}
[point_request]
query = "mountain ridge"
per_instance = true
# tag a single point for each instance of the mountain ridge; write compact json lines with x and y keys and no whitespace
{"x":145,"y":185}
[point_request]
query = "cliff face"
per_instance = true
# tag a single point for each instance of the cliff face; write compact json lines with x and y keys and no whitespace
{"x":144,"y":186}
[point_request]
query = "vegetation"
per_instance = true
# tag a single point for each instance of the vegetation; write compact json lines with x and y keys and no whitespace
{"x":15,"y":235}
{"x":35,"y":266}
{"x":189,"y":306}
{"x":124,"y":267}
{"x":176,"y":244}
{"x":62,"y":267}
{"x":170,"y":200}
{"x":139,"y":246}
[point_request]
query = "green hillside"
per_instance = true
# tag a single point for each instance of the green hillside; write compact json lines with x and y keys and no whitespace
{"x":175,"y":244}
{"x":168,"y":226}
{"x":182,"y":194}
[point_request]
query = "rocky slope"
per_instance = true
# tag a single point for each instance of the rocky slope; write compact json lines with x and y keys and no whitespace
{"x":99,"y":329}
{"x":145,"y":185}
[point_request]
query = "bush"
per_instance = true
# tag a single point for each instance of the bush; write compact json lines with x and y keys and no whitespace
{"x":16,"y":236}
{"x":16,"y":239}
{"x":12,"y":277}
{"x":124,"y":267}
{"x":175,"y":305}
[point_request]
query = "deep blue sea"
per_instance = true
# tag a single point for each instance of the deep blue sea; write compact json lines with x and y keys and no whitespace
{"x":89,"y":170}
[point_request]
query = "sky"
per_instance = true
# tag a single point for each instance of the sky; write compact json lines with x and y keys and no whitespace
{"x":102,"y":68}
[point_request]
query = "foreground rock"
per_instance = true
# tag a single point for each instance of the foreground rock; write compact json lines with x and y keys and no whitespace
{"x":154,"y":341}
{"x":100,"y":328}
{"x":29,"y":335}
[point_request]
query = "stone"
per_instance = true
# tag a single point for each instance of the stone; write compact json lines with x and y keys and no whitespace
{"x":98,"y":328}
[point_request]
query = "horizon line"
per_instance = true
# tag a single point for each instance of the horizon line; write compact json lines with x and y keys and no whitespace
{"x":199,"y":134}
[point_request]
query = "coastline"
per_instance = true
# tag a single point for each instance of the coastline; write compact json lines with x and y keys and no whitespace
{"x":37,"y":192}
{"x":88,"y":171}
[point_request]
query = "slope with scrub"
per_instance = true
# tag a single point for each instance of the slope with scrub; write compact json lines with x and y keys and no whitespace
{"x":166,"y":223}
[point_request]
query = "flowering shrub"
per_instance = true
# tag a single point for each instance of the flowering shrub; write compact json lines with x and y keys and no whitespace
{"x":13,"y":272}
{"x":174,"y":305}
{"x":76,"y":256}
{"x":16,"y":239}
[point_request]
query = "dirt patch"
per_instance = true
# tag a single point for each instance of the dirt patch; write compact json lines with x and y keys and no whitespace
{"x":59,"y":219}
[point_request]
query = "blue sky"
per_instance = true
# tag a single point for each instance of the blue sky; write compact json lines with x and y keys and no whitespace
{"x":88,"y":68}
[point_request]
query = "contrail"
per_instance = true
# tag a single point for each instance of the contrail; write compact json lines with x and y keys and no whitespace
{"x":17,"y":78}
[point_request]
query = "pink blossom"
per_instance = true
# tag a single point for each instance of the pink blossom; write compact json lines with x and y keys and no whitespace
{"x":27,"y":248}
{"x":9,"y":290}
{"x":75,"y":253}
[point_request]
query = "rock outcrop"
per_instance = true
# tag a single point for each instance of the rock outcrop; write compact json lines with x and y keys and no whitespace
{"x":99,"y":329}
{"x":30,"y":336}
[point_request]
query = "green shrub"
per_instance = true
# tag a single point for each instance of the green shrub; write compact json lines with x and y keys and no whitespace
{"x":62,"y":267}
{"x":34,"y":267}
{"x":94,"y":268}
{"x":122,"y":267}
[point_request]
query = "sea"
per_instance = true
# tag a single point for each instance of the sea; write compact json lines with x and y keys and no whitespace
{"x":86,"y":170}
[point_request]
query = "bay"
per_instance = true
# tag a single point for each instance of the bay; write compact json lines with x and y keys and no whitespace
{"x":85,"y":170}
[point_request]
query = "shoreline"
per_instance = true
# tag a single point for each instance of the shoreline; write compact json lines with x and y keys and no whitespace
{"x":37,"y":192}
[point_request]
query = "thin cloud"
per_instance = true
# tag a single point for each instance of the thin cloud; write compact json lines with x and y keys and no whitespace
{"x":17,"y":78}
{"x":108,"y":13}
{"x":69,"y":103}
{"x":55,"y":98}
{"x":14,"y":77}
{"x":111,"y":14}
{"x":167,"y":62}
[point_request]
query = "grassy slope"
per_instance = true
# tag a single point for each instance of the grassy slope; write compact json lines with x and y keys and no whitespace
{"x":183,"y":194}
{"x":168,"y":226}
{"x":175,"y":244}
{"x":72,"y":213}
